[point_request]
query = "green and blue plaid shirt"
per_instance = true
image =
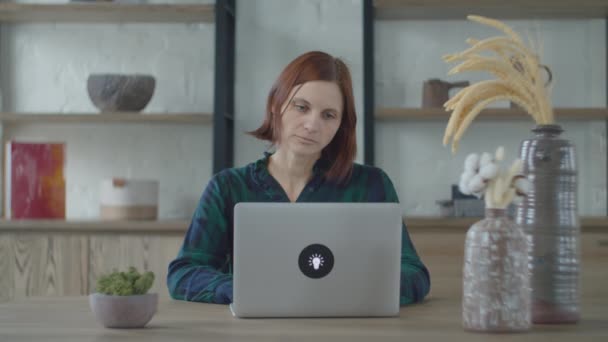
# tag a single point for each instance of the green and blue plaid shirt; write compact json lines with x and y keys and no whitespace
{"x":202,"y":271}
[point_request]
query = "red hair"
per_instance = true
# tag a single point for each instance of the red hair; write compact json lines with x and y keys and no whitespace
{"x":316,"y":66}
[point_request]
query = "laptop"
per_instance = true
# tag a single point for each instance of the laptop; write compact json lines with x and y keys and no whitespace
{"x":316,"y":259}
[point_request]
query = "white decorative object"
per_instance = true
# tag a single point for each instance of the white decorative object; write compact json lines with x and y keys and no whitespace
{"x":129,"y":199}
{"x":482,"y":177}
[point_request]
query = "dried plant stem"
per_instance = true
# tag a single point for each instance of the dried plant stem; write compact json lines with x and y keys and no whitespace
{"x":471,"y":104}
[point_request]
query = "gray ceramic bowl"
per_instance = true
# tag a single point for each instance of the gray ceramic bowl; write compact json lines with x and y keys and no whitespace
{"x":123,"y":311}
{"x":118,"y":92}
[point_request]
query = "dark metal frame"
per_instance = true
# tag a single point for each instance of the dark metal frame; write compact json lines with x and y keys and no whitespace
{"x":223,"y":105}
{"x":368,"y":83}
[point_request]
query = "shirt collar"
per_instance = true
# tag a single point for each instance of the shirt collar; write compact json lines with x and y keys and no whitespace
{"x":262,"y":176}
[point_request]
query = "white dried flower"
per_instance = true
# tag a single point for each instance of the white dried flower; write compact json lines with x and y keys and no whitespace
{"x":468,"y":174}
{"x":488,"y":171}
{"x":465,"y":178}
{"x":522,"y":185}
{"x":485,"y":159}
{"x":484,"y":177}
{"x":471,"y":163}
{"x":463,"y":186}
{"x":500,"y":153}
{"x":477,"y":184}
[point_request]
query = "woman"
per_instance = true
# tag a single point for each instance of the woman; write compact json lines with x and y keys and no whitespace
{"x":310,"y":119}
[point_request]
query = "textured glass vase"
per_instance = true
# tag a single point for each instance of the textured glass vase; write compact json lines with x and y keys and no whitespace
{"x":496,"y":277}
{"x":549,"y":216}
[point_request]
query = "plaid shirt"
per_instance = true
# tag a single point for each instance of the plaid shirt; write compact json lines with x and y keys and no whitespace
{"x":202,"y":271}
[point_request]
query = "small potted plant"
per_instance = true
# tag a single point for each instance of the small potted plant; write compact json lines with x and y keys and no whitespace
{"x":122,"y":300}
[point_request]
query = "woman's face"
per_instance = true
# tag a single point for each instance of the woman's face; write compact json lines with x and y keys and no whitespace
{"x":311,"y":118}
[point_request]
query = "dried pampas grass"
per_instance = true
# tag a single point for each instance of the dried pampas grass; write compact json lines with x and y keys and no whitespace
{"x":519,"y":80}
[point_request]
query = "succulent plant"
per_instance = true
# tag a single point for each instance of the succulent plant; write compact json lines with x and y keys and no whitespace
{"x":125,"y":283}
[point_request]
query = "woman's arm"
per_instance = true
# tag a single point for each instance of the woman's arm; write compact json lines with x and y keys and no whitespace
{"x":415,"y":278}
{"x":202,"y":270}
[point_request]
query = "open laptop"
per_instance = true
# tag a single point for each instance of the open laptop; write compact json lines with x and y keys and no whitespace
{"x":316,"y":259}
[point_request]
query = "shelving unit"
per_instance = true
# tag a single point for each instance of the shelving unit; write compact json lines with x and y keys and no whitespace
{"x":160,"y":226}
{"x":117,"y":117}
{"x":414,"y":223}
{"x":514,"y":9}
{"x":462,"y":224}
{"x":458,"y":10}
{"x":106,"y":12}
{"x":492,"y":114}
{"x":223,"y":101}
{"x":87,"y":248}
{"x":222,"y":14}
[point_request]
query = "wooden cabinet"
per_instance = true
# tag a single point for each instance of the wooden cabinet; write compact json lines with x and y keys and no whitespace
{"x":7,"y":281}
{"x":56,"y":258}
{"x":442,"y":251}
{"x":42,"y":264}
{"x":60,"y":262}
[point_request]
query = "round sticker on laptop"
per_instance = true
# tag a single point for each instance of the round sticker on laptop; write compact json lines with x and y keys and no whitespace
{"x":316,"y":261}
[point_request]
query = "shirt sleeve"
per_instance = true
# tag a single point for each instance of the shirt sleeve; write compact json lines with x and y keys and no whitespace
{"x":415,"y":278}
{"x":202,"y":270}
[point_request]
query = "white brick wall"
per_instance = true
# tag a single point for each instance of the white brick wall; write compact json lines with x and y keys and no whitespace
{"x":270,"y":33}
{"x":44,"y":68}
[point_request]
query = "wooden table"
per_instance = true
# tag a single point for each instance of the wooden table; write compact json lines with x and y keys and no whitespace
{"x":438,"y":319}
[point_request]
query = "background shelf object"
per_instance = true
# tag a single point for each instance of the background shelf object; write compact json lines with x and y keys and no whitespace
{"x":514,"y":9}
{"x":118,"y":117}
{"x":100,"y":12}
{"x":490,"y":113}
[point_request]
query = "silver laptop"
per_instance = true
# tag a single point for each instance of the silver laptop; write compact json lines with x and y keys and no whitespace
{"x":316,"y":259}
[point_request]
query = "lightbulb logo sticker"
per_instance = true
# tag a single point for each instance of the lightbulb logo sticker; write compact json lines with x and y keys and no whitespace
{"x":316,"y":261}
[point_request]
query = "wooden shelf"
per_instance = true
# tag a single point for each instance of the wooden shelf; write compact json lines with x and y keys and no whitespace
{"x":166,"y":226}
{"x":426,"y":223}
{"x":118,"y":117}
{"x":106,"y":12}
{"x":420,"y":223}
{"x":496,"y":114}
{"x":514,"y":9}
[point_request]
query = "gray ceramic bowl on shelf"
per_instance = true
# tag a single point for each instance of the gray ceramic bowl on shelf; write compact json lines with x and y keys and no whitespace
{"x":123,"y":311}
{"x":120,"y":92}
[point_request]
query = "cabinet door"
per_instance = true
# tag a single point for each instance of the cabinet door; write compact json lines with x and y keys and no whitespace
{"x":442,"y":252}
{"x":594,"y":251}
{"x":7,"y":283}
{"x":147,"y":252}
{"x":48,"y":264}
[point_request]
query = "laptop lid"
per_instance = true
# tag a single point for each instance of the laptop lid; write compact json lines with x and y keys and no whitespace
{"x":316,"y":259}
